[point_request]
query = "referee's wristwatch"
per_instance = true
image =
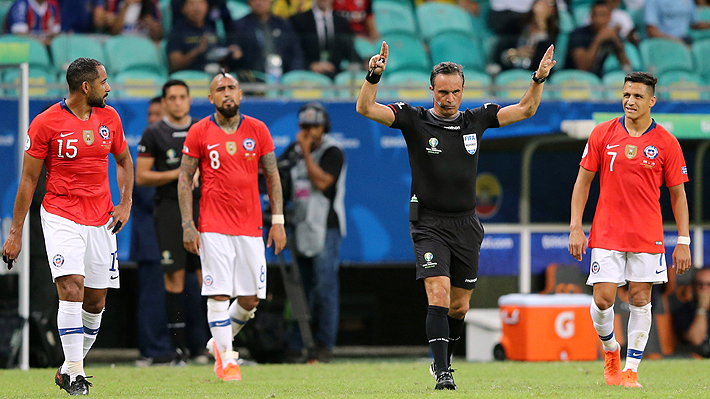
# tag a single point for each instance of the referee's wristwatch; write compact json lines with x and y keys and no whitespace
{"x":536,"y":79}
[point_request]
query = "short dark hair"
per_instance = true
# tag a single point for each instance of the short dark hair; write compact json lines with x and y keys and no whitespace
{"x":446,"y":68}
{"x":155,"y":100}
{"x":644,"y":78}
{"x":174,"y":82}
{"x":82,"y":70}
{"x":600,"y":3}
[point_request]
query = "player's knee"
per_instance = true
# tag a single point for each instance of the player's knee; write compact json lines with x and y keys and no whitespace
{"x":458,"y":310}
{"x":248,"y":302}
{"x":603,"y":303}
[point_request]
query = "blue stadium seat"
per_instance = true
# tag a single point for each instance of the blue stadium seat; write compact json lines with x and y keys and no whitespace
{"x":436,"y":18}
{"x":662,"y":55}
{"x":512,"y":84}
{"x":614,"y":84}
{"x":703,"y":15}
{"x":406,"y":52}
{"x":307,"y":85}
{"x":459,"y":48}
{"x":139,"y":84}
{"x":391,"y":17}
{"x":478,"y":86}
{"x":632,"y":53}
{"x":577,"y":85}
{"x":65,"y":48}
{"x":408,"y":86}
{"x":237,"y":9}
{"x":680,"y":86}
{"x":128,"y":53}
{"x":701,"y":55}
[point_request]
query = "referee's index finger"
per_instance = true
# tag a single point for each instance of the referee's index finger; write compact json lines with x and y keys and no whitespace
{"x":384,"y":51}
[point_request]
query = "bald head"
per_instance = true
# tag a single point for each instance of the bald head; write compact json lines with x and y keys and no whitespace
{"x":225,"y":94}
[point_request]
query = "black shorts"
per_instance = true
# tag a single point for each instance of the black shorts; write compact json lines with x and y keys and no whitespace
{"x":168,"y":228}
{"x":447,"y":245}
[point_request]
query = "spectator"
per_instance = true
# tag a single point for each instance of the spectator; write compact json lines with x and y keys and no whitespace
{"x":138,"y":17}
{"x":621,"y":22}
{"x":672,"y":19}
{"x":89,"y":16}
{"x":37,"y":18}
{"x":691,"y":319}
{"x":264,"y":38}
{"x":359,"y":14}
{"x":288,"y":8}
{"x":326,"y":38}
{"x":509,"y":17}
{"x":191,"y":38}
{"x":590,"y":45}
{"x":540,"y":31}
{"x":218,"y":13}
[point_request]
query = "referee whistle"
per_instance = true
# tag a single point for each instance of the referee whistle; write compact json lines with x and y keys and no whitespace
{"x":10,"y":262}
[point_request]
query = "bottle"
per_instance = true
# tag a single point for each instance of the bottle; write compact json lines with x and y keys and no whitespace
{"x":274,"y":68}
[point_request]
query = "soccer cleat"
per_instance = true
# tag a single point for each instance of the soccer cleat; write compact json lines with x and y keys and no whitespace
{"x":444,"y":380}
{"x":612,"y":366}
{"x":80,"y":386}
{"x":432,"y":370}
{"x":62,"y":380}
{"x":232,"y":372}
{"x":218,"y":367}
{"x":628,"y":379}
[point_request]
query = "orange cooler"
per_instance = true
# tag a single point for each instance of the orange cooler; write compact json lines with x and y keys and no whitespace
{"x":547,"y":327}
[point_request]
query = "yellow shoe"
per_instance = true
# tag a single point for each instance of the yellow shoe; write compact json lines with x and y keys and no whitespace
{"x":628,"y":379}
{"x":612,"y":366}
{"x":218,"y":368}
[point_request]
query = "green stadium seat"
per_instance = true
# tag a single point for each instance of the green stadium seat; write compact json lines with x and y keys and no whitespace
{"x":703,"y":15}
{"x":353,"y":81}
{"x":139,"y":84}
{"x":561,"y":50}
{"x":307,"y":85}
{"x":237,"y":9}
{"x":701,"y":54}
{"x":436,"y":18}
{"x":365,"y":49}
{"x":680,"y":86}
{"x":39,"y":78}
{"x":166,"y":16}
{"x":407,"y":3}
{"x":406,"y":85}
{"x":393,"y":17}
{"x":614,"y":84}
{"x":65,"y":48}
{"x":39,"y":57}
{"x":661,"y":55}
{"x":128,"y":53}
{"x":478,"y":85}
{"x":566,"y":21}
{"x":459,"y":48}
{"x":512,"y":84}
{"x":632,"y":53}
{"x":406,"y":52}
{"x":198,"y":81}
{"x":577,"y":85}
{"x":581,"y":13}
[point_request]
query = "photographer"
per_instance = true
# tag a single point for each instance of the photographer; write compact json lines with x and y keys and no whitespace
{"x":316,"y":182}
{"x":691,"y":319}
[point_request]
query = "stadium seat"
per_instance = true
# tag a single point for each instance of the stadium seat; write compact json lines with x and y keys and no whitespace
{"x":703,"y":15}
{"x":166,"y":16}
{"x":39,"y":57}
{"x":237,"y":9}
{"x":632,"y":53}
{"x":393,"y":17}
{"x":408,"y":85}
{"x":366,"y":49}
{"x":307,"y":85}
{"x":478,"y":85}
{"x":198,"y":81}
{"x":436,"y":18}
{"x":458,"y":48}
{"x":38,"y":81}
{"x":407,"y":3}
{"x":65,"y":48}
{"x":406,"y":52}
{"x":512,"y":84}
{"x":581,"y":14}
{"x":4,"y":8}
{"x":680,"y":86}
{"x":128,"y":53}
{"x":576,"y":85}
{"x":352,"y":82}
{"x":561,"y":50}
{"x":613,"y":84}
{"x":566,"y":21}
{"x":139,"y":84}
{"x":701,"y":55}
{"x":661,"y":55}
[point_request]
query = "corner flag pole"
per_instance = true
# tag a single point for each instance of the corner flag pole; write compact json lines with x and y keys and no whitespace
{"x":23,"y":260}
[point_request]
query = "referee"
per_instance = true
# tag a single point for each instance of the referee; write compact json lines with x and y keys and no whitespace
{"x":442,"y":143}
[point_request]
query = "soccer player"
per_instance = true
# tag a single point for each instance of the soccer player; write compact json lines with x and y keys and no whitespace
{"x":633,"y":156}
{"x":442,"y":142}
{"x":73,"y":139}
{"x":228,"y":147}
{"x":158,"y":164}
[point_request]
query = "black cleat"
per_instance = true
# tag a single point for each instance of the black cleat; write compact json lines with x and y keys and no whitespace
{"x":444,"y":380}
{"x":81,"y":385}
{"x":62,"y":380}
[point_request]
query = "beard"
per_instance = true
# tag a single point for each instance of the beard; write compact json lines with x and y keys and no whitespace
{"x":96,"y":101}
{"x":228,"y":112}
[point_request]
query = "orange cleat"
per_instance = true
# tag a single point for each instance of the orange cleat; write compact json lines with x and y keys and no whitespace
{"x":612,"y":367}
{"x":218,"y":367}
{"x":628,"y":379}
{"x":232,"y":372}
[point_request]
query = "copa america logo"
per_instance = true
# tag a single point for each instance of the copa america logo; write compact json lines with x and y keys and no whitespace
{"x":208,"y":280}
{"x":104,"y":132}
{"x":58,"y":260}
{"x":595,"y":267}
{"x":428,"y":256}
{"x":433,"y":141}
{"x":249,"y":144}
{"x":650,"y":152}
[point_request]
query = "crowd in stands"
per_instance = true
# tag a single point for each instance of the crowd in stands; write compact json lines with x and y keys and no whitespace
{"x":261,"y":40}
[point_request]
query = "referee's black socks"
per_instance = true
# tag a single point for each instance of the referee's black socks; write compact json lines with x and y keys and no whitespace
{"x":437,"y":331}
{"x":455,"y":331}
{"x":176,"y":319}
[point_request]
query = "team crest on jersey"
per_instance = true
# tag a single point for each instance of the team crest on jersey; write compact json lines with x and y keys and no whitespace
{"x":88,"y":136}
{"x":28,"y":143}
{"x":595,"y":267}
{"x":231,"y":147}
{"x":249,"y":144}
{"x":586,"y":150}
{"x":471,"y":143}
{"x":650,"y":152}
{"x":630,"y":151}
{"x":104,"y":132}
{"x":58,"y":260}
{"x":208,"y":280}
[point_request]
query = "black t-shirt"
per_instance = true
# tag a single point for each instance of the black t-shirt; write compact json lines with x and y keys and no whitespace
{"x":443,"y":154}
{"x":332,"y":163}
{"x":184,"y":37}
{"x":163,"y":142}
{"x":583,"y":38}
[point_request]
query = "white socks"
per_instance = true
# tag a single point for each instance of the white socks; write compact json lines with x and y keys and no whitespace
{"x":92,"y":322}
{"x":603,"y":321}
{"x":239,"y":317}
{"x":220,"y":326}
{"x":639,"y":328}
{"x":71,"y":333}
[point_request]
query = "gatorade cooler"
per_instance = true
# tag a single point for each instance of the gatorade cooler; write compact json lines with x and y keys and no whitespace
{"x":547,"y":327}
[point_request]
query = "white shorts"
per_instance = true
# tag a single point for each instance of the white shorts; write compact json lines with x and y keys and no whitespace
{"x":619,"y":267}
{"x":233,"y":265}
{"x":73,"y":248}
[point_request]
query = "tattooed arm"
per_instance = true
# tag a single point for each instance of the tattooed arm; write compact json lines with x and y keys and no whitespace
{"x":190,"y":236}
{"x":277,"y":233}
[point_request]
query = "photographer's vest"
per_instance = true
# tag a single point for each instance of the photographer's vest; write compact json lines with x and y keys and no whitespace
{"x":311,"y":207}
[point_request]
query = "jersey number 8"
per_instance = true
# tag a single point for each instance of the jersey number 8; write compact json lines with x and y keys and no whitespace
{"x":214,"y":159}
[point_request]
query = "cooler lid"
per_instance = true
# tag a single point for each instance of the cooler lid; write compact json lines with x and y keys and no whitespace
{"x":545,"y":300}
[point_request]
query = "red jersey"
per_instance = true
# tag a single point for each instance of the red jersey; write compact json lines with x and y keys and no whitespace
{"x":229,"y":170}
{"x":75,"y":153}
{"x":356,"y":12}
{"x":631,"y":171}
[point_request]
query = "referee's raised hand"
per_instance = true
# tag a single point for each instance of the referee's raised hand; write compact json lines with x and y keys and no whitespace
{"x":546,"y":63}
{"x":378,"y":62}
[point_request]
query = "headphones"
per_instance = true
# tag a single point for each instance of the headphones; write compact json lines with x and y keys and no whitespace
{"x":314,"y":113}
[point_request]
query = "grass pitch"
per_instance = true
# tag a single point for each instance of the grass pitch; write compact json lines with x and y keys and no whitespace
{"x":373,"y":379}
